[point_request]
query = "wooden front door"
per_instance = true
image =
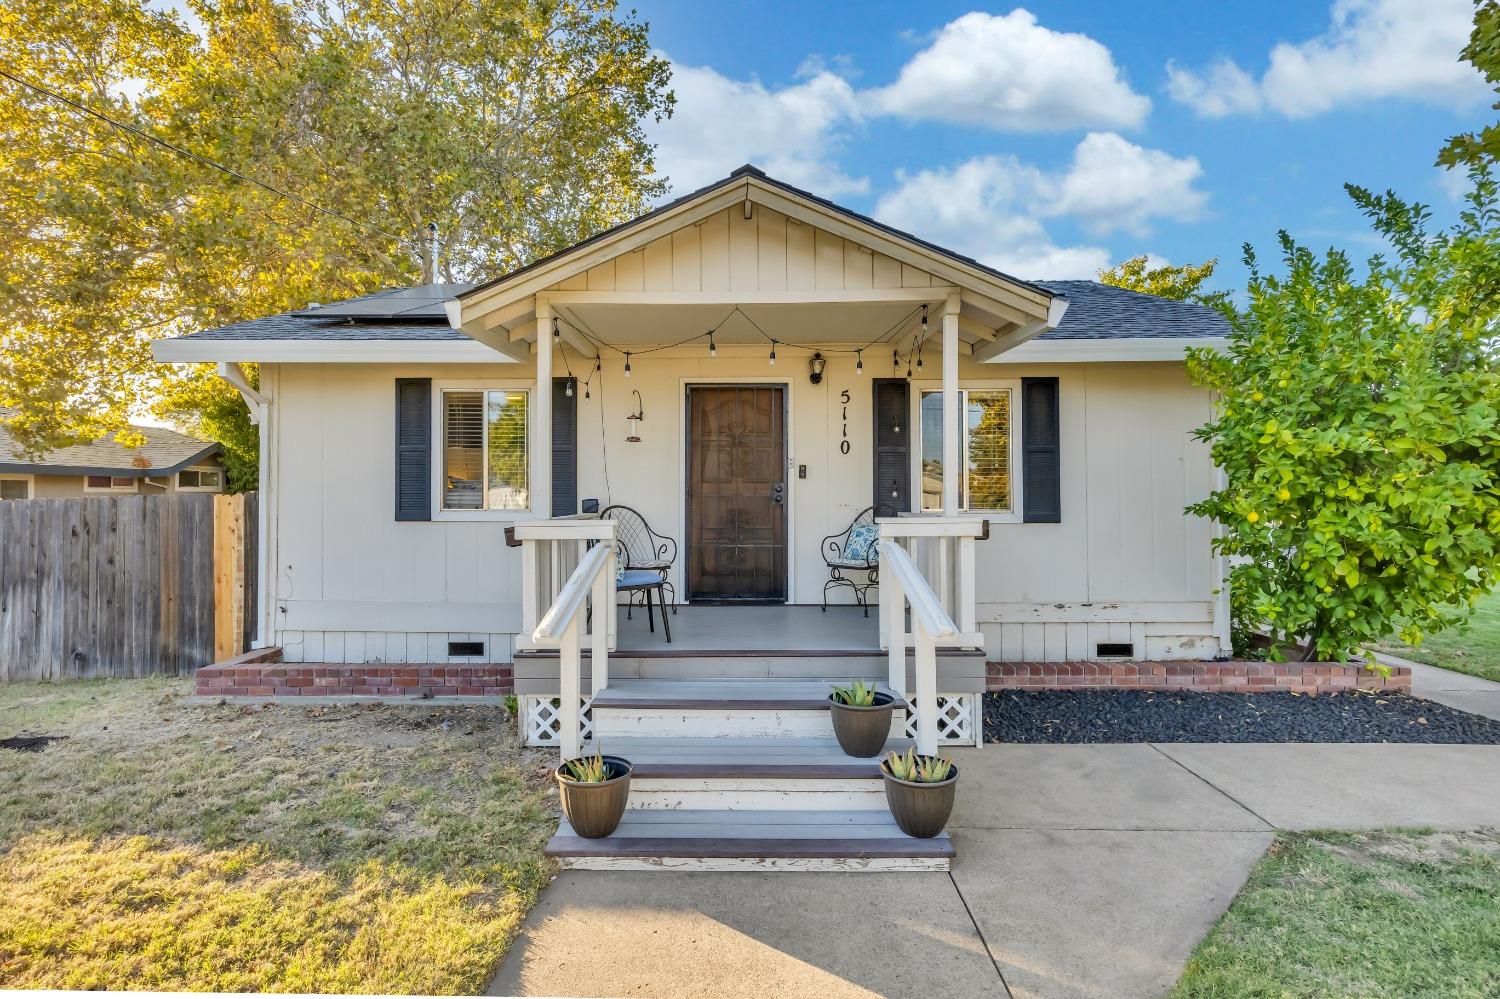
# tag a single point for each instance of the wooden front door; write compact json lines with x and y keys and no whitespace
{"x":736,"y":502}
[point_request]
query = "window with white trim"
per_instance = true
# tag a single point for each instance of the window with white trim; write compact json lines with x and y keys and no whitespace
{"x":15,"y":488}
{"x":486,"y":457}
{"x":202,"y":479}
{"x":985,"y":450}
{"x":109,"y":484}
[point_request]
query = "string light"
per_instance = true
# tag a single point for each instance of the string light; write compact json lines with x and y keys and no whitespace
{"x":556,"y":333}
{"x":713,"y":350}
{"x":569,"y":390}
{"x":924,"y":321}
{"x":627,"y":364}
{"x":773,"y":353}
{"x":859,"y":362}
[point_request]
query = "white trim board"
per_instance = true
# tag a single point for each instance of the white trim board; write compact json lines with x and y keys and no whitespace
{"x":1121,"y":349}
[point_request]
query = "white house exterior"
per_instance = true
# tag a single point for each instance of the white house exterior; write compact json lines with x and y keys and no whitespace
{"x":1117,"y":569}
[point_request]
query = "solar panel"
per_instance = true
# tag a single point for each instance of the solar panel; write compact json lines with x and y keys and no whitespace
{"x":424,"y":302}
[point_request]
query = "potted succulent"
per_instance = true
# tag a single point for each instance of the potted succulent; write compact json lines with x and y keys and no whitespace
{"x":861,"y":718}
{"x":594,"y":790}
{"x":919,"y":790}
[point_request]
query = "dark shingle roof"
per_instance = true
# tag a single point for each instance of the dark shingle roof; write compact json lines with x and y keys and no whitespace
{"x":1103,"y":312}
{"x":291,"y":326}
{"x":165,"y":452}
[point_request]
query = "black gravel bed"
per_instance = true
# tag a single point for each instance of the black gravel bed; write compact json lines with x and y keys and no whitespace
{"x":1080,"y":716}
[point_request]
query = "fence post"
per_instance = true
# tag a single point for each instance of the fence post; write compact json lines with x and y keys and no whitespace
{"x":229,"y":576}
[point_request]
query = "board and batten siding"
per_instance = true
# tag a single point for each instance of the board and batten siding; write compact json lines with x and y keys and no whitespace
{"x":1124,"y":564}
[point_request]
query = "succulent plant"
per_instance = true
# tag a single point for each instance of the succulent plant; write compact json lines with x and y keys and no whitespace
{"x":909,"y":766}
{"x":858,"y":694}
{"x":586,"y":770}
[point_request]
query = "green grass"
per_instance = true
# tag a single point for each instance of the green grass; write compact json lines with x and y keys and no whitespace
{"x":169,"y":846}
{"x":1384,"y":914}
{"x":1473,"y":648}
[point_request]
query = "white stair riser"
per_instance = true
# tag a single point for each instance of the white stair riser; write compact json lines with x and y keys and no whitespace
{"x":738,"y":724}
{"x":757,"y":794}
{"x":720,"y":864}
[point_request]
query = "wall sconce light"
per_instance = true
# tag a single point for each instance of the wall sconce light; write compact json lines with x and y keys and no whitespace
{"x":635,"y":419}
{"x":815,"y":366}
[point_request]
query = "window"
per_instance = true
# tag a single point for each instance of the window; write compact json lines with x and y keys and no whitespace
{"x":109,"y":484}
{"x":485,"y":453}
{"x":984,"y":451}
{"x":15,"y":489}
{"x":207,"y":479}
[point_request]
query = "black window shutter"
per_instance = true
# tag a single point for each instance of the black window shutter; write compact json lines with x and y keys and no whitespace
{"x":413,"y":448}
{"x":1041,"y":459}
{"x":564,"y":449}
{"x":892,"y":447}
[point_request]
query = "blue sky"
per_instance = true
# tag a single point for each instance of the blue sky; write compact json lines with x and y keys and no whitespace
{"x":1056,"y":138}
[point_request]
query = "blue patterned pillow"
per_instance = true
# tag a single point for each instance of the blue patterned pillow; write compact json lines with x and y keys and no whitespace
{"x":863,"y":538}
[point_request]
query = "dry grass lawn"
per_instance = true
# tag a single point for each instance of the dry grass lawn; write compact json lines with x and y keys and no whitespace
{"x":170,"y":846}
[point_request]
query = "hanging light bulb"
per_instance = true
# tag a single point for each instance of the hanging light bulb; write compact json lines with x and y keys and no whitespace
{"x":556,"y":333}
{"x":924,"y":322}
{"x":569,"y":390}
{"x":713,"y":350}
{"x":895,"y":359}
{"x":859,"y":362}
{"x":627,"y":364}
{"x":919,"y":362}
{"x":586,"y":391}
{"x":773,"y":353}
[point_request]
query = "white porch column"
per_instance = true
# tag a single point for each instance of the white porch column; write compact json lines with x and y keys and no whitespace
{"x":951,"y":426}
{"x":541,"y":462}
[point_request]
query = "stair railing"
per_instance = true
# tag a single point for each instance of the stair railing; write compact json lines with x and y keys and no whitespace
{"x":568,"y":567}
{"x":936,"y":598}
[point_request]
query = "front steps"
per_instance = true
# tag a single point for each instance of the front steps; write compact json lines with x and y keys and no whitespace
{"x":742,"y":775}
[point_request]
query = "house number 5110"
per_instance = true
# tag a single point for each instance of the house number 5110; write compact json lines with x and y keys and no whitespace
{"x":844,"y":444}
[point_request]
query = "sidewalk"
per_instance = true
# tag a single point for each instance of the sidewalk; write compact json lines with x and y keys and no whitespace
{"x":1084,"y":872}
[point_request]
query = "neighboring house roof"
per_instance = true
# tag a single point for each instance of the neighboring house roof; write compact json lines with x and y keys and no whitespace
{"x":165,"y":452}
{"x":1103,"y":312}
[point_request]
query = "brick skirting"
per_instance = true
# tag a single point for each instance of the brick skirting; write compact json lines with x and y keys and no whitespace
{"x":1232,"y":677}
{"x":237,"y":678}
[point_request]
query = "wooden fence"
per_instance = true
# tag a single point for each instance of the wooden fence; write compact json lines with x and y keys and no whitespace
{"x":124,"y":585}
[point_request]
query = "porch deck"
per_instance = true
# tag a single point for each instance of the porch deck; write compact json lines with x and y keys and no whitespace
{"x":752,"y":630}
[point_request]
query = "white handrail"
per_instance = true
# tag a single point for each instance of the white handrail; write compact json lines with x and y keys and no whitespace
{"x":901,"y":583}
{"x":924,"y":603}
{"x":592,"y":580}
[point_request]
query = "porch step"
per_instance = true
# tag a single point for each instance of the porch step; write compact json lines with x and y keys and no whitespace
{"x":742,"y":759}
{"x":719,"y":840}
{"x":698,"y":709}
{"x":714,"y":695}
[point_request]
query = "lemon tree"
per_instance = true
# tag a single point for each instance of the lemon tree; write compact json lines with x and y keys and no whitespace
{"x":1358,"y":422}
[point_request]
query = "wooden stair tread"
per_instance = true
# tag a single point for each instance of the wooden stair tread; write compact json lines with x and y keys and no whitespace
{"x":710,"y":695}
{"x":766,"y":834}
{"x":742,"y":758}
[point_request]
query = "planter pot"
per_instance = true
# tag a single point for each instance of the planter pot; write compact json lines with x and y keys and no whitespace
{"x":921,"y":810}
{"x":862,"y":732}
{"x":594,"y":810}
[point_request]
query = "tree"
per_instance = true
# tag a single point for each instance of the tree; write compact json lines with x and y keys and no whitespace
{"x":1180,"y":284}
{"x":1480,"y":148}
{"x":513,"y":125}
{"x":1359,"y":426}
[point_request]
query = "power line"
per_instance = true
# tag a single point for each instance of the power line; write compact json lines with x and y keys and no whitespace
{"x":189,"y":154}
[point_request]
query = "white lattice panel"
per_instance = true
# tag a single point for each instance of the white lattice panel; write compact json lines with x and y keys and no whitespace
{"x":958,"y":720}
{"x":540,"y":719}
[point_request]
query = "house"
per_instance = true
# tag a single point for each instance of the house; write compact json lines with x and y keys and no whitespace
{"x":749,"y":366}
{"x":167,"y":462}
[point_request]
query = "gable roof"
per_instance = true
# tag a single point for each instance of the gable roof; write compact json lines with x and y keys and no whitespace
{"x":734,"y":178}
{"x":165,"y":452}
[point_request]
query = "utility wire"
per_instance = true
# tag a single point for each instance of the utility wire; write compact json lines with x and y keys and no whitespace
{"x":189,"y":154}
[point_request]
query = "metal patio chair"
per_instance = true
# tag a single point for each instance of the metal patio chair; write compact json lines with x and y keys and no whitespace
{"x":855,"y":549}
{"x":642,"y":549}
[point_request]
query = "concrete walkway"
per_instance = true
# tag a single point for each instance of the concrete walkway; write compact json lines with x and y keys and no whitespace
{"x":1084,"y":872}
{"x":1457,"y":690}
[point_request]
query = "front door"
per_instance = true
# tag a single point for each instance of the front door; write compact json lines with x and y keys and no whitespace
{"x":736,"y":502}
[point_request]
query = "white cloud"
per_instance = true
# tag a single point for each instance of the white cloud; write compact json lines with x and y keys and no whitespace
{"x":793,"y":132}
{"x":994,"y":207}
{"x":1372,"y":49}
{"x":1009,"y":72}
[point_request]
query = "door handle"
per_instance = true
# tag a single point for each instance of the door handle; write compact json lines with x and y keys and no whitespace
{"x":778,"y":492}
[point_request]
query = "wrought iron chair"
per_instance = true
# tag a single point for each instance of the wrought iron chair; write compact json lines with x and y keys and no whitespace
{"x":642,"y":549}
{"x":855,"y":549}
